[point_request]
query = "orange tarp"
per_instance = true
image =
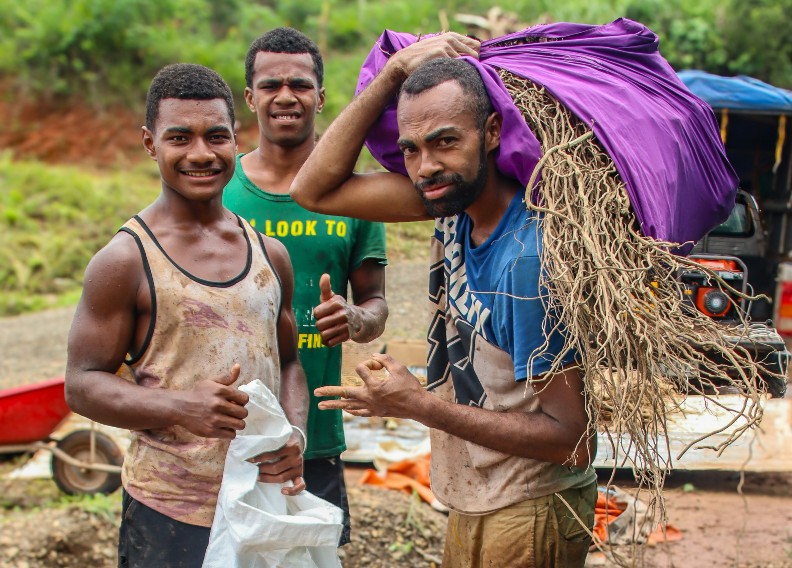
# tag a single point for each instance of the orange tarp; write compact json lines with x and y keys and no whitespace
{"x":608,"y":509}
{"x":407,"y":475}
{"x":413,"y":475}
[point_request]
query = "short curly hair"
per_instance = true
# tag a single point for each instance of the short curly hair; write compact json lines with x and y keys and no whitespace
{"x":186,"y":81}
{"x":283,"y":40}
{"x":437,"y":71}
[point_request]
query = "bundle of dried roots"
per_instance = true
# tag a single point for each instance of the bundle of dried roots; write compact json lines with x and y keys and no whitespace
{"x":618,"y":296}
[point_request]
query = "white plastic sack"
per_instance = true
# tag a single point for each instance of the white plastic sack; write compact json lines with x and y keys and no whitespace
{"x":633,"y":525}
{"x":255,"y":525}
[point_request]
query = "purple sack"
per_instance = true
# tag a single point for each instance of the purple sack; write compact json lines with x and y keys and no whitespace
{"x":664,"y":140}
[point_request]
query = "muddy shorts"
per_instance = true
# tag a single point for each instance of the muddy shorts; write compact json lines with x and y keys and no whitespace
{"x":148,"y":539}
{"x":324,"y":477}
{"x":538,"y":533}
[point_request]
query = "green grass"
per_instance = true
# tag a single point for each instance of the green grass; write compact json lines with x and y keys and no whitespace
{"x":409,"y":241}
{"x":53,"y":219}
{"x":107,"y":506}
{"x":32,"y":495}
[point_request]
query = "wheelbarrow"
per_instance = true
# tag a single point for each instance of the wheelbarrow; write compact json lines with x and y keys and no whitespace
{"x":83,"y":462}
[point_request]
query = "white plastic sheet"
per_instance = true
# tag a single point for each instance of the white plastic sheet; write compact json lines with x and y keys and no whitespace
{"x":255,"y":525}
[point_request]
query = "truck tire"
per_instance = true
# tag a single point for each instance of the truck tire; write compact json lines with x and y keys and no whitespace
{"x":74,"y":480}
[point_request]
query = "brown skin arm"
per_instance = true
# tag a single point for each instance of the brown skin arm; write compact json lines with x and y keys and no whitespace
{"x":326,"y":183}
{"x":286,"y":463}
{"x":556,"y":433}
{"x":364,"y":319}
{"x":101,"y":334}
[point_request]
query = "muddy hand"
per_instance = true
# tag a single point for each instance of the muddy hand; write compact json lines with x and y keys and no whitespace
{"x":333,"y":315}
{"x":283,"y":465}
{"x":447,"y":44}
{"x":214,"y":408}
{"x":394,"y":396}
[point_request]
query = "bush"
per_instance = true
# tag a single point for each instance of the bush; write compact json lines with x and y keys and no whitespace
{"x":53,"y":219}
{"x":110,"y":49}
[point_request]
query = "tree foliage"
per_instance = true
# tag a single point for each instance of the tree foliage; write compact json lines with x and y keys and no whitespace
{"x":727,"y":38}
{"x":689,"y":31}
{"x":108,"y":50}
{"x":758,"y":36}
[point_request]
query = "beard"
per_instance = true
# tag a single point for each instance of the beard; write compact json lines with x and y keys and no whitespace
{"x":463,"y":194}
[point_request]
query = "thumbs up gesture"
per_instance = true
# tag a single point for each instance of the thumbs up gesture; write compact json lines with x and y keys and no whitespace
{"x":333,"y":315}
{"x":325,"y":289}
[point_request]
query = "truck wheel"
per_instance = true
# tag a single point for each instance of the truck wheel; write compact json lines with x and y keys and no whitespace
{"x":74,"y":480}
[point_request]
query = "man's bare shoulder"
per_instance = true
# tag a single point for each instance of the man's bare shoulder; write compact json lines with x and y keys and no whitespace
{"x":117,"y":264}
{"x":277,"y":253}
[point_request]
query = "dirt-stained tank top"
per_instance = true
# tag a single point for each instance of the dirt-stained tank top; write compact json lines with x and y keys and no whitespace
{"x":199,"y":330}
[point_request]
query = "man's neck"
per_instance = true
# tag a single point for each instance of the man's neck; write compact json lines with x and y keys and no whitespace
{"x":173,"y":209}
{"x":488,"y":210}
{"x":272,"y":167}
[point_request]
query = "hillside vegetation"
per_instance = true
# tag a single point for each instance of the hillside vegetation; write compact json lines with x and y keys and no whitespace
{"x":108,"y":50}
{"x":74,"y":75}
{"x":52,"y":220}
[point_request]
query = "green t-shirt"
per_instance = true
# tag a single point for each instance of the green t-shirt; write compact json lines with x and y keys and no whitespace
{"x":317,"y":244}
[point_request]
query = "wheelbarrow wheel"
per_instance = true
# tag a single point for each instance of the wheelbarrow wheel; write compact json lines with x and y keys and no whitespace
{"x":74,"y":480}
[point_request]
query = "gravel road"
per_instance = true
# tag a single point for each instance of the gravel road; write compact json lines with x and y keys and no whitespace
{"x":33,"y":346}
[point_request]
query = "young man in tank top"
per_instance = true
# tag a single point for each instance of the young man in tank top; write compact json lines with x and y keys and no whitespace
{"x":284,"y":72}
{"x":190,"y":302}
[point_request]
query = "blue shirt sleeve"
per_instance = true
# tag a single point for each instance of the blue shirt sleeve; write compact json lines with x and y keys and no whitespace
{"x":519,"y":320}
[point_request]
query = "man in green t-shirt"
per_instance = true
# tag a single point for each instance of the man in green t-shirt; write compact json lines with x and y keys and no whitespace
{"x":283,"y":72}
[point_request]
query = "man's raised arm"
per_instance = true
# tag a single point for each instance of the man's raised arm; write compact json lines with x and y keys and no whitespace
{"x":327,"y":183}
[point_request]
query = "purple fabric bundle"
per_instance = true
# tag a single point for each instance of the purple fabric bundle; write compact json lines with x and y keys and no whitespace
{"x":663,"y":140}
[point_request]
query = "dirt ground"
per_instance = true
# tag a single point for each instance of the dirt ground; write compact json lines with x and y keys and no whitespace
{"x":51,"y":131}
{"x":38,"y":528}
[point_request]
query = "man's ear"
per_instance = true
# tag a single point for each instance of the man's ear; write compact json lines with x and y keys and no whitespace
{"x":320,"y":106}
{"x":148,"y":142}
{"x":249,"y":99}
{"x":492,"y":131}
